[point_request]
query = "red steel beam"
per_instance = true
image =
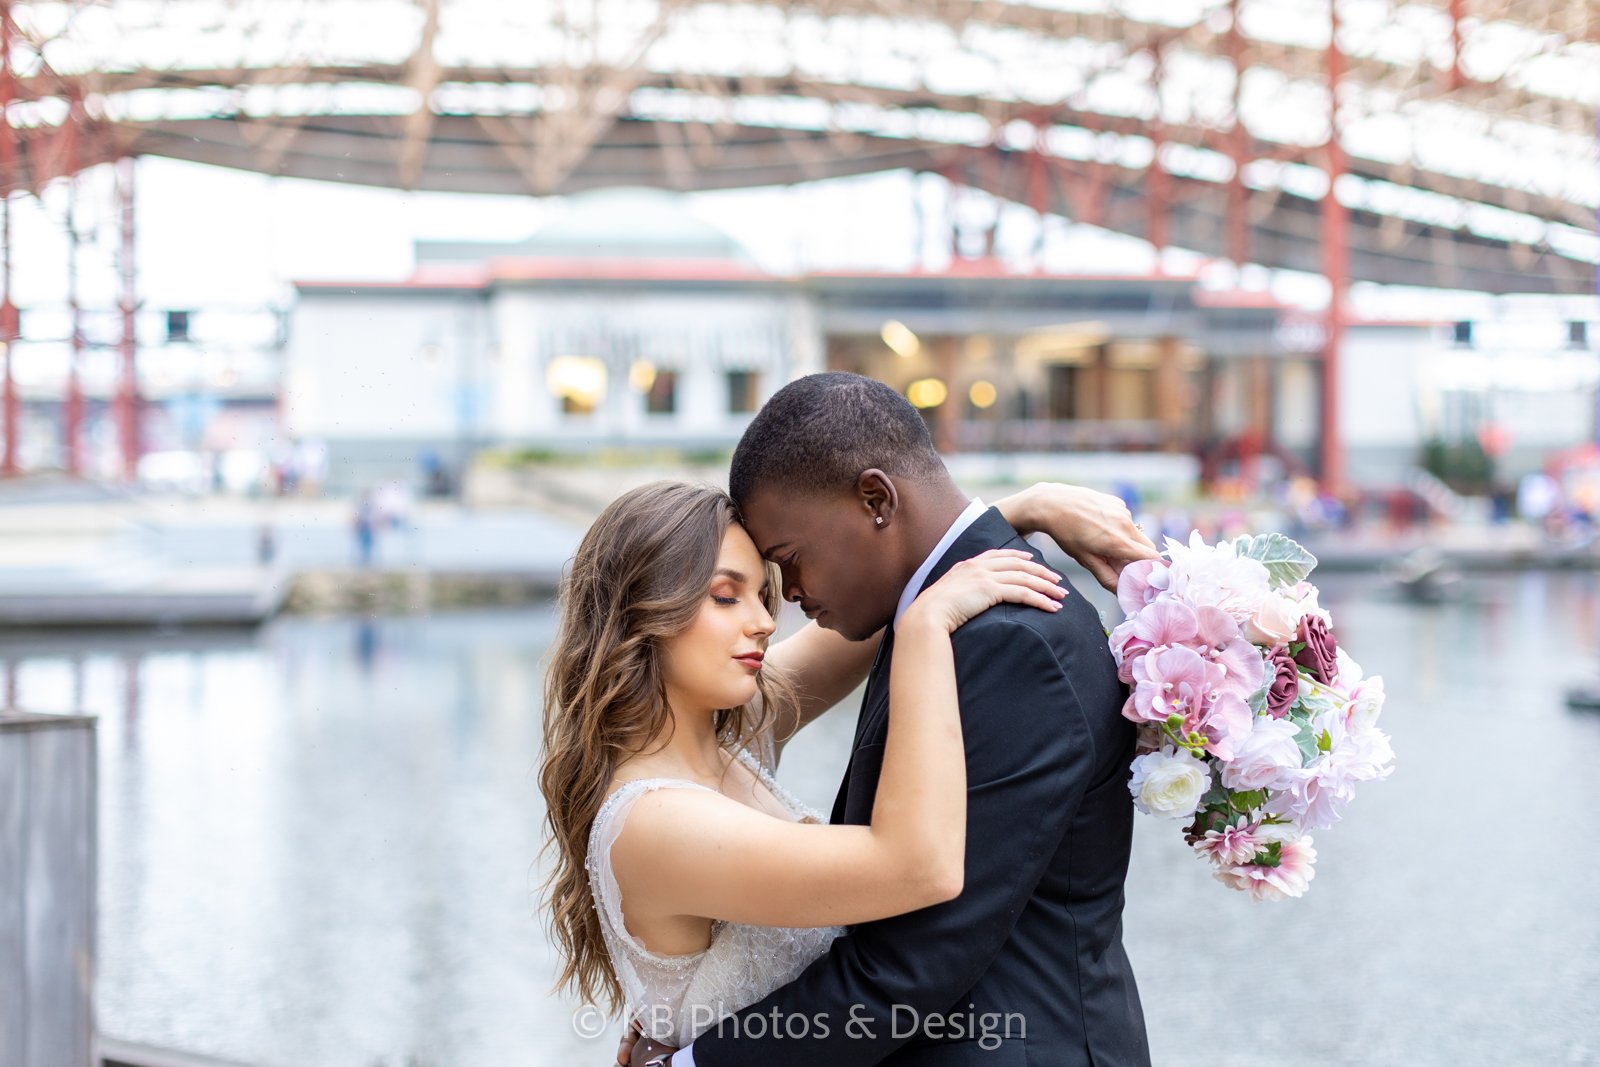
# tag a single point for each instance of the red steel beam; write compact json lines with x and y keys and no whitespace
{"x":1237,"y":238}
{"x":1157,"y":186}
{"x":127,"y":402}
{"x":73,"y":420}
{"x":1457,"y":13}
{"x":9,"y":324}
{"x":1335,"y":266}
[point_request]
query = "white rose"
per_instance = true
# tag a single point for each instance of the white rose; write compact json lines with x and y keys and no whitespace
{"x":1169,"y":783}
{"x":1276,"y":623}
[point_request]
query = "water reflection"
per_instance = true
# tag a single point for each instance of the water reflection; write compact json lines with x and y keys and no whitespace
{"x":319,"y":842}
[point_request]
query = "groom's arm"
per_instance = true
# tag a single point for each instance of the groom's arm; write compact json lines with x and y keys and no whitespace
{"x":1029,"y":760}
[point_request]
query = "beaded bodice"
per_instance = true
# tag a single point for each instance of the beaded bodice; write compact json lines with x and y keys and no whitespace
{"x":676,"y":998}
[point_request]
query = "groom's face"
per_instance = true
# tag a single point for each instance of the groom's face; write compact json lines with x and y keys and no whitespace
{"x":836,"y":564}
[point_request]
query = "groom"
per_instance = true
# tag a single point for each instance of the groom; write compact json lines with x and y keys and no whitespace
{"x":839,"y":484}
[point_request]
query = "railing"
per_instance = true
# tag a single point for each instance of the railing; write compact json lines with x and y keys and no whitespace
{"x":48,"y":856}
{"x":1066,"y":435}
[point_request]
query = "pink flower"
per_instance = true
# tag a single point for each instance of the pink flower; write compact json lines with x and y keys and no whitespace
{"x":1220,"y":640}
{"x":1215,"y":576}
{"x":1179,"y":681}
{"x":1275,"y":623}
{"x":1266,"y":757}
{"x":1163,"y":623}
{"x":1173,"y":681}
{"x":1285,"y":688}
{"x":1290,"y":877}
{"x":1315,"y":797}
{"x":1231,"y":845}
{"x":1312,"y":798}
{"x":1140,"y":583}
{"x":1366,"y":701}
{"x":1227,"y":724}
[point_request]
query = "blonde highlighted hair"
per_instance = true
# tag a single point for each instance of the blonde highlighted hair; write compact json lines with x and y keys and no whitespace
{"x":641,"y":576}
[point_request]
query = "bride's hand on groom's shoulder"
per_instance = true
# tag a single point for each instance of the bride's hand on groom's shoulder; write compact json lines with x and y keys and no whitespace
{"x":1094,"y":528}
{"x":975,"y":585}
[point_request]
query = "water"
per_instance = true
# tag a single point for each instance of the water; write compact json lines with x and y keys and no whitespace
{"x":319,"y":842}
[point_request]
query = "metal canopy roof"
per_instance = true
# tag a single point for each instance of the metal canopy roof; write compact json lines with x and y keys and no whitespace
{"x":1466,"y":128}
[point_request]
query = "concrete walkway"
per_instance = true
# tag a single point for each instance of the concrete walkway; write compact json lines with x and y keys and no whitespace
{"x":76,"y":554}
{"x":109,"y":559}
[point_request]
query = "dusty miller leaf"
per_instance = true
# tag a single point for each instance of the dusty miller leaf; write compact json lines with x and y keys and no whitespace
{"x":1287,"y":562}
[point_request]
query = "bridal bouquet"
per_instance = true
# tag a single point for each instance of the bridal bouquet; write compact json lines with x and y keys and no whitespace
{"x":1255,"y":724}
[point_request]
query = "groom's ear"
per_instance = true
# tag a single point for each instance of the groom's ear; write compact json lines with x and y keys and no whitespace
{"x":877,"y":495}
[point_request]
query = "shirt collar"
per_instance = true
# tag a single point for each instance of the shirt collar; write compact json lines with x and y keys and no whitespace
{"x":972,"y":514}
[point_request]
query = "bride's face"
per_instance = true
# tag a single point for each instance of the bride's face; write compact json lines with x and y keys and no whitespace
{"x":714,"y":663}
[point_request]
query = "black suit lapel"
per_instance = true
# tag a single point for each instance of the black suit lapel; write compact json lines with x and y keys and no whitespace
{"x":990,"y":530}
{"x":877,"y":680}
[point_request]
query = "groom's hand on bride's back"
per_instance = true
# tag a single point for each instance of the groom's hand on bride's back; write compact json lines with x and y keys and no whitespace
{"x":636,"y":1050}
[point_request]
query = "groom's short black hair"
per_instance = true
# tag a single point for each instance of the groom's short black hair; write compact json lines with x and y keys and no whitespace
{"x":818,"y":433}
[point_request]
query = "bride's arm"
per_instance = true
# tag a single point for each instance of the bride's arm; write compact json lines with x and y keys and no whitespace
{"x":691,"y":852}
{"x":824,"y":668}
{"x":1093,"y":528}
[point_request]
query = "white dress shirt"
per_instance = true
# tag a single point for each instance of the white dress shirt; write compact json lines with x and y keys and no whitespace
{"x":971,"y":515}
{"x":684,"y":1057}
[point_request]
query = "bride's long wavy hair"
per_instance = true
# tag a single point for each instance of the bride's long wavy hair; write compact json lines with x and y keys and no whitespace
{"x":641,"y":575}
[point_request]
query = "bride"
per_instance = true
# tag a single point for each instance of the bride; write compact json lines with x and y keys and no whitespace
{"x":687,"y":881}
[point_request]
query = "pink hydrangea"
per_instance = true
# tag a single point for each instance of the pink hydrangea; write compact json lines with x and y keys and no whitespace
{"x":1204,"y":574}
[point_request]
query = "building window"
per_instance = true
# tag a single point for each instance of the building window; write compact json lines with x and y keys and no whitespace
{"x":1462,"y":333}
{"x":1061,"y":392}
{"x":662,"y":399}
{"x":744,"y":388}
{"x":1577,"y":334}
{"x":579,"y":382}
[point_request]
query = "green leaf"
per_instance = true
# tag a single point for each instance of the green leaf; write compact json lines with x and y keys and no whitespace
{"x":1287,"y":562}
{"x":1271,"y":856}
{"x":1244,"y":803}
{"x":1258,"y":699}
{"x":1306,"y":742}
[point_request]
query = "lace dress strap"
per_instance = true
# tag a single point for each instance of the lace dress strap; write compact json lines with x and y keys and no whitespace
{"x":763,"y":766}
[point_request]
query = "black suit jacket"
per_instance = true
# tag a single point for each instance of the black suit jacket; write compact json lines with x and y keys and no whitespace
{"x":1026,"y":966}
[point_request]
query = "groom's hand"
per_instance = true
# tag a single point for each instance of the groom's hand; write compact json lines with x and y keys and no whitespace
{"x":636,"y":1050}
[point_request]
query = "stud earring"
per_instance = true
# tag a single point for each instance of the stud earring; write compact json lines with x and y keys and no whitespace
{"x":878,"y":520}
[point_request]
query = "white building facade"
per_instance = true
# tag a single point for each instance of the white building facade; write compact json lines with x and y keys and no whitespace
{"x":629,"y":323}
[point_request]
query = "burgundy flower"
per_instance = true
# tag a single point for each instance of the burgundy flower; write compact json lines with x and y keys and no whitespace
{"x":1320,"y":654}
{"x":1285,"y":682}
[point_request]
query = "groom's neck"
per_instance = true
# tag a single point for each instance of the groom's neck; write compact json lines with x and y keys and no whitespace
{"x":930,"y":512}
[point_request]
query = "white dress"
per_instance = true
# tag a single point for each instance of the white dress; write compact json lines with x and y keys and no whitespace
{"x":676,"y":998}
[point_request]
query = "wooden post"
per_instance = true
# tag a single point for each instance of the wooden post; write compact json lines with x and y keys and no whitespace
{"x":48,"y":877}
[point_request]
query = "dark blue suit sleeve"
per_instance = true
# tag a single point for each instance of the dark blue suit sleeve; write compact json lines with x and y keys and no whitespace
{"x":1029,"y":760}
